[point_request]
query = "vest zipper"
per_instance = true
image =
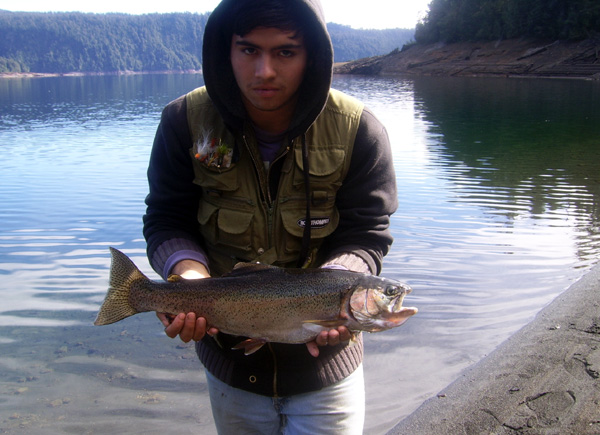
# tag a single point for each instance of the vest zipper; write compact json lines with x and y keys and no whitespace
{"x":270,"y":208}
{"x":261,"y":173}
{"x":265,"y":185}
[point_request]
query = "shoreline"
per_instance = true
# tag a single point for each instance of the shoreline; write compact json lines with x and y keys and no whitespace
{"x":506,"y":58}
{"x":13,"y":75}
{"x":544,"y":379}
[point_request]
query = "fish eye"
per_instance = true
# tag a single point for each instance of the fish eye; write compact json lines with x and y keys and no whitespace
{"x":392,"y":290}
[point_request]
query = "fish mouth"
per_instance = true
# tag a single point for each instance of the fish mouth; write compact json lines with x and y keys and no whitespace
{"x":397,"y":302}
{"x":399,"y":314}
{"x":398,"y":317}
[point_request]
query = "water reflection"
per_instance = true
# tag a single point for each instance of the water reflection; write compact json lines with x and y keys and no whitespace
{"x":88,"y":101}
{"x":498,"y":189}
{"x":509,"y":132}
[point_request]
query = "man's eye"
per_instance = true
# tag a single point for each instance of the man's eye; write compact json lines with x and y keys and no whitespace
{"x":249,"y":50}
{"x":286,"y":53}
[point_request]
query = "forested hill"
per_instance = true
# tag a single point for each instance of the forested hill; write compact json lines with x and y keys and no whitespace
{"x":485,"y":20}
{"x":96,"y":43}
{"x":506,"y":38}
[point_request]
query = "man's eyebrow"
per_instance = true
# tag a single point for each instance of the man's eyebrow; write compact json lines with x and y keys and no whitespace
{"x":290,"y":46}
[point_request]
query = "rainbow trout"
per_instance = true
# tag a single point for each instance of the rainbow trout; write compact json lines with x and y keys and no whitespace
{"x":264,"y":303}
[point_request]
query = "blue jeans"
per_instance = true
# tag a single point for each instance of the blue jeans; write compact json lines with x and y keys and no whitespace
{"x":337,"y":409}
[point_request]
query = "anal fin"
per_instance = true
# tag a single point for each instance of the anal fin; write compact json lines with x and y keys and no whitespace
{"x":250,"y":345}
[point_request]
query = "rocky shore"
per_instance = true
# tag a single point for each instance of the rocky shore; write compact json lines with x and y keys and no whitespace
{"x":545,"y":379}
{"x":507,"y":58}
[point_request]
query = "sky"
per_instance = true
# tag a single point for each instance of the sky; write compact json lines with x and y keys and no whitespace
{"x":366,"y":14}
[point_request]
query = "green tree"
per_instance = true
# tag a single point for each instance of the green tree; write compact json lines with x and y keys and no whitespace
{"x":68,"y":42}
{"x":463,"y":20}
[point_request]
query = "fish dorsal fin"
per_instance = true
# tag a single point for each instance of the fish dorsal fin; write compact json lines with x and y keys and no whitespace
{"x":245,"y":268}
{"x":174,"y":278}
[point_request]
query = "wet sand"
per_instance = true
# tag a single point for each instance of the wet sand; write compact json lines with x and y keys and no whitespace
{"x":124,"y":378}
{"x":545,"y":379}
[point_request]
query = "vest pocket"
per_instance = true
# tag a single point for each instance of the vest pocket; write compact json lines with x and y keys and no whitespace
{"x":225,"y":226}
{"x":326,"y":165}
{"x":218,"y":180}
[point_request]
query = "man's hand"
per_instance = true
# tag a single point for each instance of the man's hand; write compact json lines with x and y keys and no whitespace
{"x":331,"y":337}
{"x":187,"y":326}
{"x":190,"y":269}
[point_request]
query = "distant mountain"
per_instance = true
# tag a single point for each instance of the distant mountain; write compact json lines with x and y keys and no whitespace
{"x":97,"y":43}
{"x":351,"y":44}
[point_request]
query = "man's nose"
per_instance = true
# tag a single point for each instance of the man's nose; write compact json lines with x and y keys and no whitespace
{"x":265,"y":68}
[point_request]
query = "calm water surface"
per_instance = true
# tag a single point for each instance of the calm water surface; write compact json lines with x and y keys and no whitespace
{"x":499,"y":190}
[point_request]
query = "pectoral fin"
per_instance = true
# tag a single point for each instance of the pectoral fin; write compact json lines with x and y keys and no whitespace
{"x":325,"y":323}
{"x":317,"y":326}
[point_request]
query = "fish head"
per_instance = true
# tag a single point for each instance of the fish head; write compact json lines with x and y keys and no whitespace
{"x":376,"y":304}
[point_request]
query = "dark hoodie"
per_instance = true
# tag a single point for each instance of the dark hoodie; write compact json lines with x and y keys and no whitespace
{"x":365,"y":201}
{"x":218,"y":75}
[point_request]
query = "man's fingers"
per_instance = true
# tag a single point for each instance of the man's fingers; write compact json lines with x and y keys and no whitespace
{"x":345,"y":334}
{"x":174,"y":328}
{"x":189,"y":326}
{"x":200,"y":329}
{"x":164,"y":318}
{"x":313,"y":348}
{"x":322,"y":339}
{"x":333,"y":338}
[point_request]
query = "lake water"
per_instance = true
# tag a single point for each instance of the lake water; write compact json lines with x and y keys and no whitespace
{"x":499,"y":191}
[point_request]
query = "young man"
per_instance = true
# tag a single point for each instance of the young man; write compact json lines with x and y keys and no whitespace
{"x":266,"y":163}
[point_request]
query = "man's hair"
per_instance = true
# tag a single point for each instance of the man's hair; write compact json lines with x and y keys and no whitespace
{"x":286,"y":15}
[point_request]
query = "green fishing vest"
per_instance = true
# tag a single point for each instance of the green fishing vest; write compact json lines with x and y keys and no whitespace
{"x":238,"y":219}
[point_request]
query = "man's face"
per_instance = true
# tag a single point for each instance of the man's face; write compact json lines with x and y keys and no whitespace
{"x":268,"y":64}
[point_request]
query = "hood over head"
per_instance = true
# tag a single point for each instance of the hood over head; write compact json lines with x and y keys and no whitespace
{"x":234,"y":15}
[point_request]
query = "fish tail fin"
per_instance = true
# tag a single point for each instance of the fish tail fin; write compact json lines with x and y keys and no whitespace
{"x":116,"y":305}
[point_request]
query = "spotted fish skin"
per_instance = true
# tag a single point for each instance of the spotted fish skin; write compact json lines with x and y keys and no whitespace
{"x":265,"y":303}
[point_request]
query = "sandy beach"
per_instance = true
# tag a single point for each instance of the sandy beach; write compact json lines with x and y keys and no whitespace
{"x":545,"y":379}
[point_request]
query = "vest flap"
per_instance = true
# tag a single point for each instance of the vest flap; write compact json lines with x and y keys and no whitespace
{"x":234,"y":221}
{"x":205,"y":211}
{"x":324,"y":161}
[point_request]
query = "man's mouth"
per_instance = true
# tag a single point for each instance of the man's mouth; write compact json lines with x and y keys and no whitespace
{"x":265,"y":91}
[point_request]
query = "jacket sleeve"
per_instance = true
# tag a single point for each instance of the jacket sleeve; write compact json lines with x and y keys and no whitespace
{"x":366,"y":200}
{"x":170,"y":223}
